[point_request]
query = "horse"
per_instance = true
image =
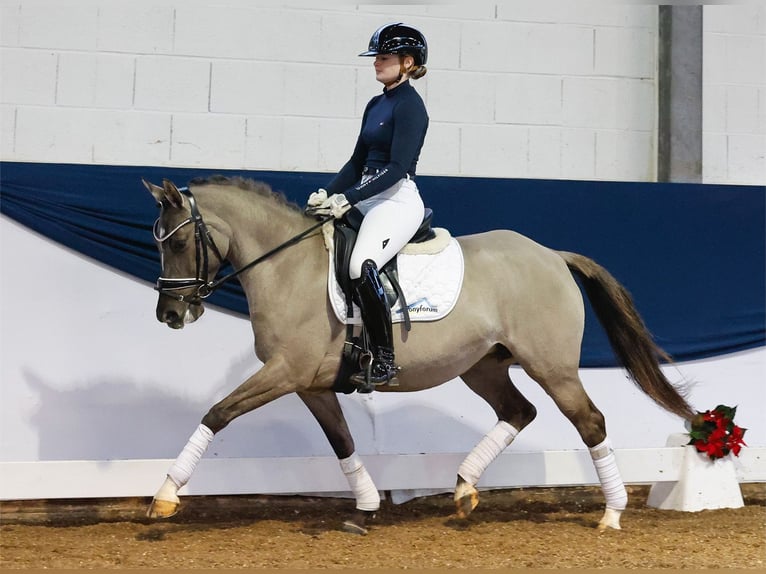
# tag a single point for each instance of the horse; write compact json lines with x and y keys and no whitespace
{"x":519,"y":305}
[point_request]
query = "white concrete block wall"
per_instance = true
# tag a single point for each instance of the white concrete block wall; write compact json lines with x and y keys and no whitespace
{"x":90,"y":80}
{"x":734,"y":89}
{"x":543,"y":90}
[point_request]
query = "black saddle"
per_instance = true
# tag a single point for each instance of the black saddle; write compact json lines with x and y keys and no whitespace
{"x":346,"y":230}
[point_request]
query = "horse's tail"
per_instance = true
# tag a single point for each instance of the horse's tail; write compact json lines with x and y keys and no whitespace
{"x":630,"y":339}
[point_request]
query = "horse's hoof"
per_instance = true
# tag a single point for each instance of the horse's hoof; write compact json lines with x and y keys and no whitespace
{"x":465,"y":504}
{"x":162,"y":508}
{"x":357,"y":524}
{"x":353,"y":528}
{"x":466,"y":498}
{"x":611,"y":519}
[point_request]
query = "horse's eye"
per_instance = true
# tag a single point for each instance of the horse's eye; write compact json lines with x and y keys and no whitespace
{"x":177,"y":244}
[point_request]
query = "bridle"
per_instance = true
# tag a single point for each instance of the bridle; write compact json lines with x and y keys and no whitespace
{"x":204,"y":243}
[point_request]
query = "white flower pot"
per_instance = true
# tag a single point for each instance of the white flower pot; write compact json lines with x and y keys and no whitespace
{"x":703,"y":484}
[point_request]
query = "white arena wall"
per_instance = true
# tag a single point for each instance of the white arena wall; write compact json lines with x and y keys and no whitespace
{"x":96,"y":396}
{"x":548,"y":90}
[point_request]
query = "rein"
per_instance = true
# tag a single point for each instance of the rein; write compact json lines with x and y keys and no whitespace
{"x":289,"y":243}
{"x":203,"y":240}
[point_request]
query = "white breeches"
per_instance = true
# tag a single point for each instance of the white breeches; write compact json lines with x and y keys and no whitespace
{"x":391,"y":218}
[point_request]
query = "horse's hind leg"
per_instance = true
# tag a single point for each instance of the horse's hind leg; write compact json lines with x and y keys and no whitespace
{"x":490,"y":380}
{"x":570,"y":396}
{"x":326,"y":409}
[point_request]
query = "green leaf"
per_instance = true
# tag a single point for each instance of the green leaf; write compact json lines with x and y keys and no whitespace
{"x":728,"y":412}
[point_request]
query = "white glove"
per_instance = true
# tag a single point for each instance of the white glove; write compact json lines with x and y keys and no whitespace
{"x":317,"y":198}
{"x":337,"y":205}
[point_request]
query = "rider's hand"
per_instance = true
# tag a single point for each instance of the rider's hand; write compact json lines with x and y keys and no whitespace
{"x":336,"y":205}
{"x":317,"y":198}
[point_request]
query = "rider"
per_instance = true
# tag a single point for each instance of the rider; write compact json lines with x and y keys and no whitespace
{"x":379,"y":181}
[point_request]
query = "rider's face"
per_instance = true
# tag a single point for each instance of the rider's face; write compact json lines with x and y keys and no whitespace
{"x":387,"y":68}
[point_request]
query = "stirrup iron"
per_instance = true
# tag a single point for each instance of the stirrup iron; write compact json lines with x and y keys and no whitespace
{"x":364,"y":378}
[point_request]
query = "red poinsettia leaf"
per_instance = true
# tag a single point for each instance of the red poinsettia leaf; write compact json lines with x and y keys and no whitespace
{"x":718,"y":451}
{"x":717,"y":435}
{"x":738,"y":432}
{"x":710,"y":448}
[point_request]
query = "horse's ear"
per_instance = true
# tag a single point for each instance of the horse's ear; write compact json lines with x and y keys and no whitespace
{"x":172,"y":194}
{"x":157,"y":192}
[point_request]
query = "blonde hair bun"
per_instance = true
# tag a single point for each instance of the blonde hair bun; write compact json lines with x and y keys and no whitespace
{"x":417,"y":72}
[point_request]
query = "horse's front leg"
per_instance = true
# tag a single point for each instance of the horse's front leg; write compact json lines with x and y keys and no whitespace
{"x":272,"y":381}
{"x":326,"y":409}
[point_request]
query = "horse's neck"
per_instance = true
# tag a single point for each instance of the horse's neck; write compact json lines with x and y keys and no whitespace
{"x":282,"y":287}
{"x":257,"y":225}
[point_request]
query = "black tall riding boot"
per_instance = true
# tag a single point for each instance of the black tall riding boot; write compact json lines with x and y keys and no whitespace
{"x":376,"y":315}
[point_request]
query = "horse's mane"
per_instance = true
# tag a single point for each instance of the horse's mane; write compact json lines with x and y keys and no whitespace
{"x":259,"y":187}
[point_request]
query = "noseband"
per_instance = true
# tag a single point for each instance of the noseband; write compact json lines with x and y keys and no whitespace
{"x":204,"y":242}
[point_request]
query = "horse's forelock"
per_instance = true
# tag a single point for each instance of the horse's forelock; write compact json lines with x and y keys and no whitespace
{"x":259,"y":187}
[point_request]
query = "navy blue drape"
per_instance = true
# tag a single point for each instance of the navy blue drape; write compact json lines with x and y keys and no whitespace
{"x":693,"y":256}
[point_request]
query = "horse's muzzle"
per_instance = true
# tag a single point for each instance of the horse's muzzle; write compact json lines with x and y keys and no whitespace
{"x":178,"y":318}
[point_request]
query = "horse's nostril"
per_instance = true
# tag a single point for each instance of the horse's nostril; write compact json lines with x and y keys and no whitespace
{"x":170,"y":317}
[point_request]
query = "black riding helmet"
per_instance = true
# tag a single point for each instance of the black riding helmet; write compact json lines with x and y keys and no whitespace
{"x":398,"y":39}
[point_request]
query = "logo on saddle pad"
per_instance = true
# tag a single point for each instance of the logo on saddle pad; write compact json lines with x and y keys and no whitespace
{"x":420,"y":306}
{"x":431,"y":280}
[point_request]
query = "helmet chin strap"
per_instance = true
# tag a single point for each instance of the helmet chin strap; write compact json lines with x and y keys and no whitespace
{"x":402,"y":73}
{"x":402,"y":70}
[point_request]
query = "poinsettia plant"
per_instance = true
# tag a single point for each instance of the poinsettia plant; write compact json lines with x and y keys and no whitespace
{"x":715,"y":434}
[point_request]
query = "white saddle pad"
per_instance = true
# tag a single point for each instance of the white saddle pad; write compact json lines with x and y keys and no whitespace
{"x":431,"y":281}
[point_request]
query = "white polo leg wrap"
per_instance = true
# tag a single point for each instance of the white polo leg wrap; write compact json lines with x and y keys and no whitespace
{"x":493,"y":443}
{"x":367,"y":496}
{"x":186,"y":462}
{"x":609,"y":475}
